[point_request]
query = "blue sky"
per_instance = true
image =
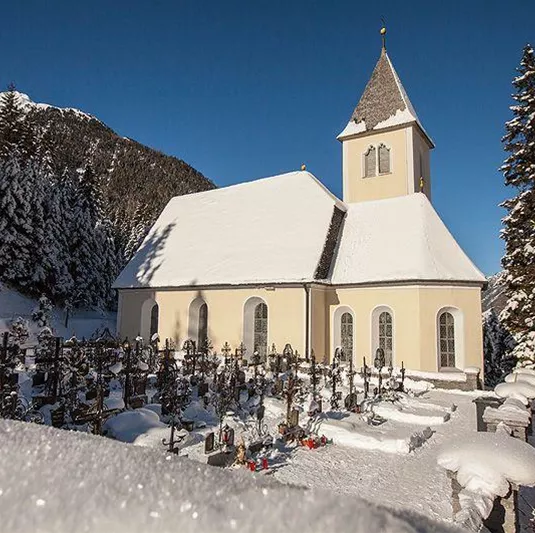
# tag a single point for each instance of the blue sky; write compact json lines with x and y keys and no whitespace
{"x":247,"y":89}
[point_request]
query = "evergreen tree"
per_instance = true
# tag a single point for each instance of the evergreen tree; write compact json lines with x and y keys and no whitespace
{"x":519,"y":227}
{"x":41,"y":313}
{"x":497,"y":347}
{"x":15,"y":223}
{"x":59,"y":220}
{"x":12,"y":129}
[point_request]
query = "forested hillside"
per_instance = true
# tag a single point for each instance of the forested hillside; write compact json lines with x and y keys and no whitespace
{"x":76,"y":199}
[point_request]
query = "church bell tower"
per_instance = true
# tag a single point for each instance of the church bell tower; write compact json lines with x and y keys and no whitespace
{"x":385,"y":149}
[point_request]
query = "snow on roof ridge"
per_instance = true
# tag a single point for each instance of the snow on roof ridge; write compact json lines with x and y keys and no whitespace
{"x":256,"y":181}
{"x":403,"y":92}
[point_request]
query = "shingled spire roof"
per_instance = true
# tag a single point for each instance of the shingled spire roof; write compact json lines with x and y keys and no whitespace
{"x":383,"y":104}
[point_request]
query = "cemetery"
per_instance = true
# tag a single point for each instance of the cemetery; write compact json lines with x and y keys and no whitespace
{"x":300,"y":421}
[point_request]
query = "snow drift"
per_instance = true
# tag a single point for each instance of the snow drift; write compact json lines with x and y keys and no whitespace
{"x":58,"y":481}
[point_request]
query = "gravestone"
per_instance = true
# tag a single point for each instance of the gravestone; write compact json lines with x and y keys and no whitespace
{"x":228,"y":436}
{"x":277,"y":387}
{"x":203,"y":389}
{"x":294,"y":418}
{"x":209,"y":443}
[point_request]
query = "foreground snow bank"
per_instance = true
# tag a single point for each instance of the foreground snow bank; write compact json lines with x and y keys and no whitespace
{"x":58,"y":481}
{"x":486,"y":464}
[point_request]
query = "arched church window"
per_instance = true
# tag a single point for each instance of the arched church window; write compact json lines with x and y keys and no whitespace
{"x":153,"y":320}
{"x":346,"y":335}
{"x":386,"y":336}
{"x":446,"y":325}
{"x":384,"y":159}
{"x":370,"y":162}
{"x":202,"y":334}
{"x":260,"y":338}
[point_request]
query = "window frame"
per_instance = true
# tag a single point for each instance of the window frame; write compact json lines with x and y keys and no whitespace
{"x":349,"y":327}
{"x":262,"y":331}
{"x":376,"y":148}
{"x":447,"y":353}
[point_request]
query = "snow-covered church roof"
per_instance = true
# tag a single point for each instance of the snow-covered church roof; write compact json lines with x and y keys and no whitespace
{"x":290,"y":229}
{"x":399,"y":239}
{"x":383,"y":104}
{"x":264,"y":231}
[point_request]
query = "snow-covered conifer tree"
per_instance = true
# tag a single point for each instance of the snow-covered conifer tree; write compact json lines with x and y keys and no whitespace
{"x":497,"y":347}
{"x":519,"y":224}
{"x":15,"y":222}
{"x":41,"y":313}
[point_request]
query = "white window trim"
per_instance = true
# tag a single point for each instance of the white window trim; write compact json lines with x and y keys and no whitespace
{"x":193,"y":319}
{"x":336,"y":336}
{"x":249,"y":307}
{"x":374,"y":330}
{"x":146,"y":309}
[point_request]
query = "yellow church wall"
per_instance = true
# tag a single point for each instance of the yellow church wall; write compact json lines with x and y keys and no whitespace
{"x":422,"y":163}
{"x":362,"y":301}
{"x":465,"y":303}
{"x":129,"y":311}
{"x":286,"y":314}
{"x":414,"y":308}
{"x":415,"y":314}
{"x":357,"y":188}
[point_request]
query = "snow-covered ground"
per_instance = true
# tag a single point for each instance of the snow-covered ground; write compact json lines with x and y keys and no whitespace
{"x":81,"y":323}
{"x":394,"y":464}
{"x":55,"y":481}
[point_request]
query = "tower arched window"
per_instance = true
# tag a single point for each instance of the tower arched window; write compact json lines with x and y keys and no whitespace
{"x":446,"y":333}
{"x":370,"y":162}
{"x":384,"y":159}
{"x":153,"y":320}
{"x":202,"y":334}
{"x":260,"y":337}
{"x":386,"y":336}
{"x":346,"y":335}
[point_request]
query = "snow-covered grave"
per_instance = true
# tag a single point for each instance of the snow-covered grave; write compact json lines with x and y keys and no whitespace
{"x":54,"y":481}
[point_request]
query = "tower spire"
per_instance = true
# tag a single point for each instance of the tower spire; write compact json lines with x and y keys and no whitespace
{"x":383,"y":33}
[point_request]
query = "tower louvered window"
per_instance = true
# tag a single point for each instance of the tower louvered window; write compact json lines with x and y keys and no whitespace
{"x":370,"y":162}
{"x":261,"y":330}
{"x":384,"y":159}
{"x":386,"y":336}
{"x":446,"y":325}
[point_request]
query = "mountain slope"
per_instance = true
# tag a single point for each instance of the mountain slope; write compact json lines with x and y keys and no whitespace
{"x":138,"y":181}
{"x":493,"y":297}
{"x":76,"y":200}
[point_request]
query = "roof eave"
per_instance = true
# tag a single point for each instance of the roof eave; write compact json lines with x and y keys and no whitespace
{"x":341,"y":137}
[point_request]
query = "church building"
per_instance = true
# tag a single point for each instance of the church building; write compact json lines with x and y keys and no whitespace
{"x":282,"y":260}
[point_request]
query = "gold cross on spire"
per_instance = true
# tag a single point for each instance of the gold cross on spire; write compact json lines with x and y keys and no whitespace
{"x":383,"y":33}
